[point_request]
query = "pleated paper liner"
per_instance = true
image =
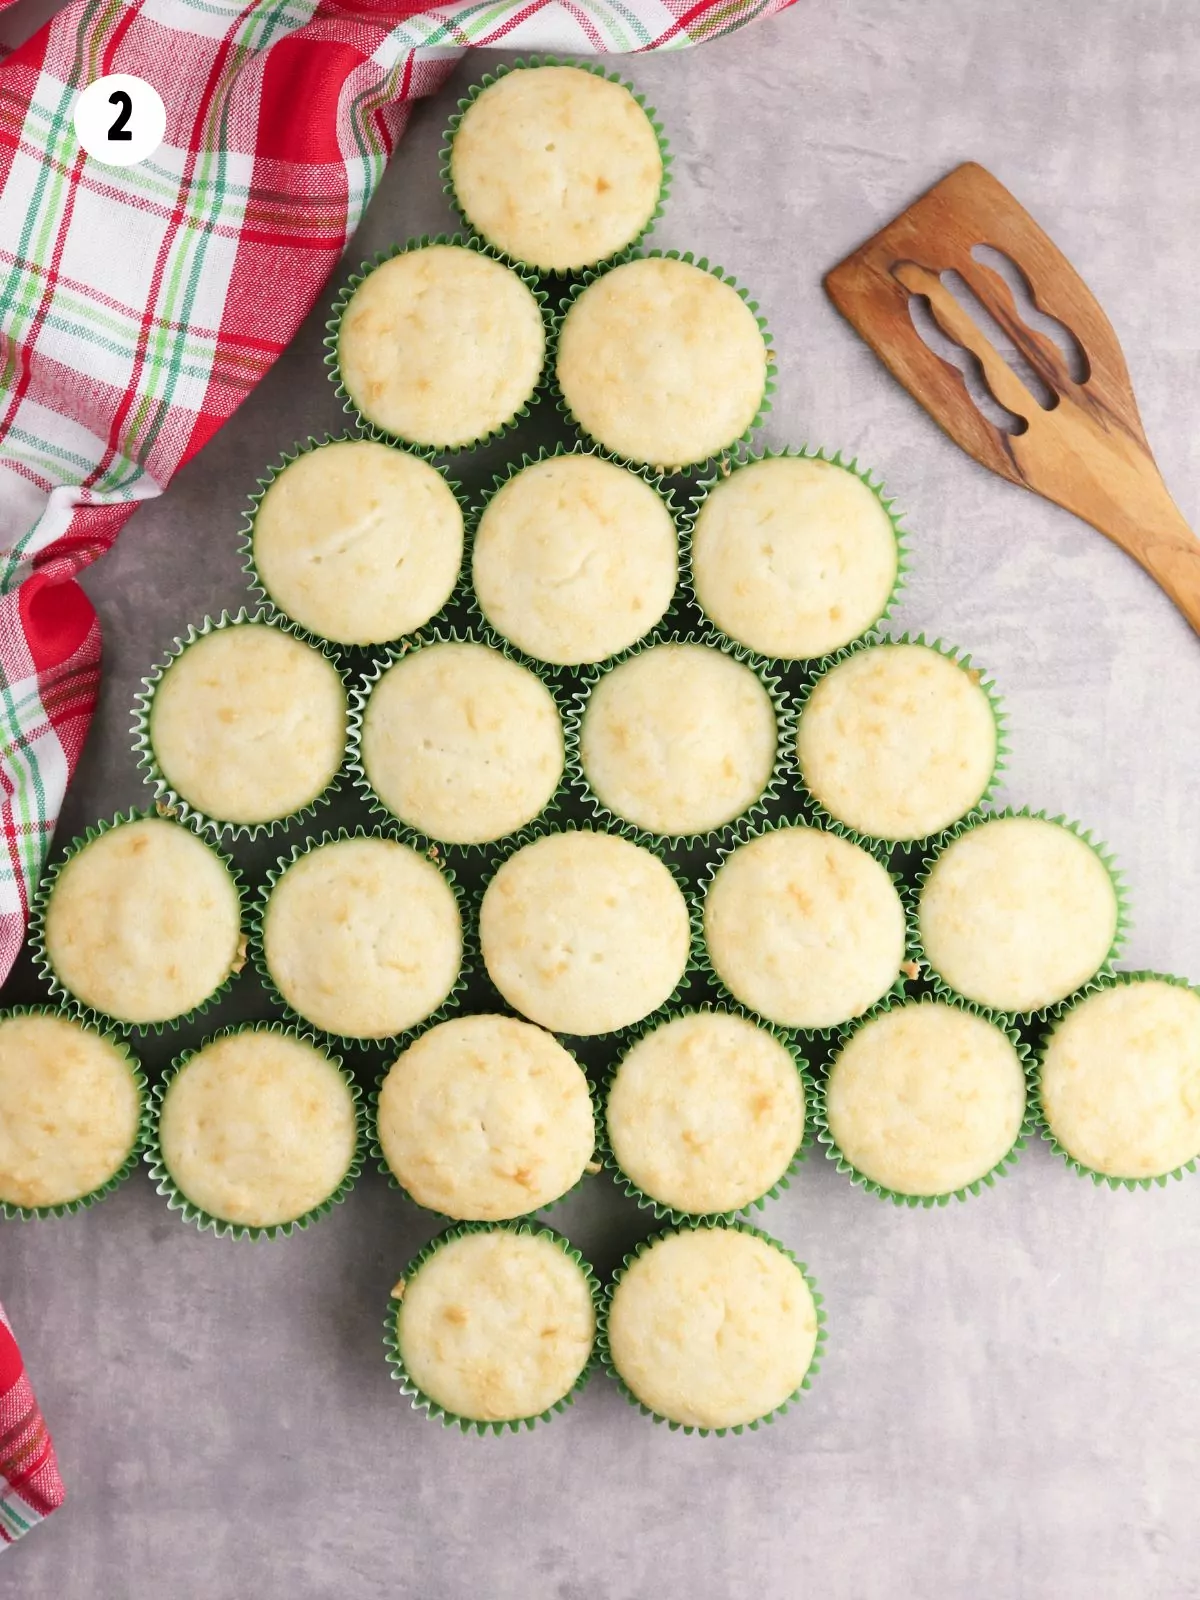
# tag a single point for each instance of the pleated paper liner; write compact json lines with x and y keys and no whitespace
{"x":878,"y":844}
{"x":579,"y":447}
{"x":371,"y":430}
{"x":258,"y":587}
{"x":395,"y":1359}
{"x":629,"y":1031}
{"x":780,"y":1410}
{"x":489,"y":78}
{"x":905,"y":973}
{"x":964,"y":1191}
{"x":37,"y":931}
{"x":177,"y":1201}
{"x":12,"y":1212}
{"x":660,"y":1209}
{"x":168,"y":800}
{"x":976,"y":819}
{"x":724,"y":833}
{"x":382,"y":1164}
{"x":342,"y":1041}
{"x":360,"y":699}
{"x":668,"y":468}
{"x":1057,"y":1014}
{"x":744,"y":457}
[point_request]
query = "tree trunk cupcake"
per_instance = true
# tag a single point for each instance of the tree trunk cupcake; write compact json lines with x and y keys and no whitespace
{"x":492,"y":1328}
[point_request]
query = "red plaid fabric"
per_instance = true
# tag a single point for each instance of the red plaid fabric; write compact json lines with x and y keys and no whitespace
{"x":30,"y":1487}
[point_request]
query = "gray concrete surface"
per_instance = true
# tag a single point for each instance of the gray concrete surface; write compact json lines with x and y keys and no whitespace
{"x":1011,"y":1401}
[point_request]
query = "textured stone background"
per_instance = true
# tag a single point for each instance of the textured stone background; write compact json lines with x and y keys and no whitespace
{"x":1010,"y":1405}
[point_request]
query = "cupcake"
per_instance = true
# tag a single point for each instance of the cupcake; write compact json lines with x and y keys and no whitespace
{"x":461,"y":742}
{"x":898,"y":740}
{"x":679,"y":739}
{"x":1017,"y":912}
{"x":256,"y":1130}
{"x":712,"y":1327}
{"x":245,"y":725}
{"x":1119,"y":1081}
{"x":584,"y":932}
{"x":575,"y":558}
{"x":558,"y":166}
{"x":357,"y":541}
{"x":72,"y":1109}
{"x":705,"y":1114}
{"x":925,"y":1100}
{"x":663,"y":362}
{"x":142,"y":922}
{"x":440,"y":346}
{"x":794,"y":556}
{"x":361,"y":936}
{"x":484,"y":1118}
{"x":804,"y":927}
{"x":494,"y":1326}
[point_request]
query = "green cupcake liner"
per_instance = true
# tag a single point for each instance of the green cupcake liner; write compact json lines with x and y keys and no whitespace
{"x":594,"y":1166}
{"x":876,"y":843}
{"x":489,"y":78}
{"x":745,"y":458}
{"x":395,"y":1359}
{"x":1055,"y":1014}
{"x":579,"y":447}
{"x":11,"y":1212}
{"x":691,"y":1226}
{"x":630,"y":1030}
{"x":975,"y":819}
{"x":258,"y":955}
{"x":37,"y":931}
{"x":360,"y":698}
{"x":370,"y":430}
{"x":683,"y":469}
{"x":763,"y":825}
{"x":611,"y":821}
{"x":672,"y":1214}
{"x":258,"y":588}
{"x":167,"y":799}
{"x":1006,"y":1162}
{"x":176,"y":1200}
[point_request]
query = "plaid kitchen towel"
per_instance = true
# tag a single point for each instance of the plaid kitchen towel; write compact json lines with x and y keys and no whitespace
{"x":30,"y":1487}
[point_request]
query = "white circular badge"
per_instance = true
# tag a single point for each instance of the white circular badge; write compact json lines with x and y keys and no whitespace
{"x":120,"y":120}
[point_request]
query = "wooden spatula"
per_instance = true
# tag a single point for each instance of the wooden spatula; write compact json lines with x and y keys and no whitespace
{"x":1087,"y":451}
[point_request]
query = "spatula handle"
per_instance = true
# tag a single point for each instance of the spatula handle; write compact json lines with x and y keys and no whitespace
{"x":1154,"y":532}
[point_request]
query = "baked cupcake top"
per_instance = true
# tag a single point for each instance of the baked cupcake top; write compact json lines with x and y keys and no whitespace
{"x":358,"y":542}
{"x":462,"y":743}
{"x":925,"y":1098}
{"x":804,"y":927}
{"x":144,"y":922}
{"x":793,"y":557}
{"x":678,"y":739}
{"x":72,"y":1106}
{"x":575,"y":558}
{"x":441,"y":345}
{"x":706,"y":1112}
{"x":257,"y":1128}
{"x":485,"y":1118}
{"x":1017,"y":912}
{"x":584,"y":932}
{"x":897,"y":741}
{"x":362,"y":937}
{"x":558,"y":167}
{"x":712,"y":1327}
{"x":496,"y":1325}
{"x":248,"y":724}
{"x":1120,"y":1079}
{"x":662,"y":362}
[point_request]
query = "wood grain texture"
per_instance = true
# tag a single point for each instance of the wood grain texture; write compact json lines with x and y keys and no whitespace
{"x":1087,"y":452}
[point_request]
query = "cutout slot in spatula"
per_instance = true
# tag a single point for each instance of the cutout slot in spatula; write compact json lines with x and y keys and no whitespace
{"x":1081,"y":442}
